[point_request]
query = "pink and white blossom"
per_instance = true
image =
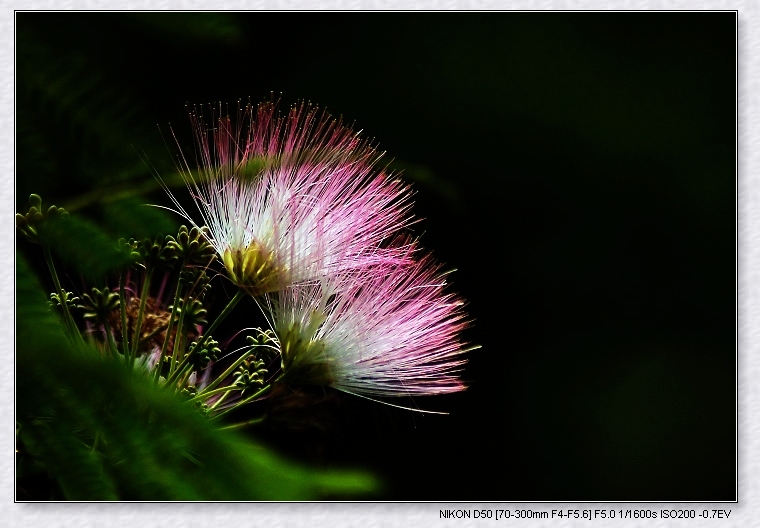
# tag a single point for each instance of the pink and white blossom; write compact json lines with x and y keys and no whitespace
{"x":388,"y":331}
{"x":294,"y":198}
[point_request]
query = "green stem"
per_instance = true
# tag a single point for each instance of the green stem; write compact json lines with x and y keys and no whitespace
{"x":140,"y":315}
{"x":179,"y":342}
{"x":240,"y":425}
{"x":204,"y":395}
{"x":110,"y":339}
{"x":180,"y":370}
{"x":185,"y":377}
{"x":227,"y":372}
{"x":67,"y":319}
{"x":173,"y":375}
{"x":123,"y":310}
{"x":227,"y":309}
{"x":218,"y":402}
{"x":179,"y":349}
{"x":250,"y":398}
{"x":169,"y":329}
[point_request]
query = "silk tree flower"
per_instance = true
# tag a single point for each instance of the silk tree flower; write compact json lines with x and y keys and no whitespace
{"x":387,"y":331}
{"x":294,"y":198}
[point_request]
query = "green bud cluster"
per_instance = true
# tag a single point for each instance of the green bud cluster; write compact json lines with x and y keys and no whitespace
{"x":68,"y":299}
{"x":142,"y":322}
{"x":129,"y":249}
{"x":100,"y":304}
{"x":209,"y":352}
{"x":155,"y":254}
{"x":202,"y":408}
{"x":192,"y":246}
{"x":32,"y":223}
{"x":251,"y":374}
{"x":194,"y":313}
{"x":259,"y":342}
{"x":198,"y":278}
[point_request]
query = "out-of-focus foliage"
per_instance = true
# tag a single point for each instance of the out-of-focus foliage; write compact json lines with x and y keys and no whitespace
{"x":86,"y":131}
{"x":83,"y":246}
{"x":89,"y":429}
{"x":182,"y":28}
{"x":77,"y":123}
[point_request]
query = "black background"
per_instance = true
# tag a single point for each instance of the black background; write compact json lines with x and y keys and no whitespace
{"x":577,"y":169}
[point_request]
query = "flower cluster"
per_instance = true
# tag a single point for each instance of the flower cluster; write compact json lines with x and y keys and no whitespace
{"x":303,"y":220}
{"x":293,"y":210}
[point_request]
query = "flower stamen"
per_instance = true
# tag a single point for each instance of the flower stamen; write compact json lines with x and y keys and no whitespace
{"x":254,"y":268}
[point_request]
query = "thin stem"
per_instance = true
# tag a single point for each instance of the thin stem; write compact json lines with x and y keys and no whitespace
{"x":179,"y":339}
{"x":110,"y":339}
{"x":178,"y":353}
{"x":140,"y":315}
{"x":250,"y":398}
{"x":240,"y":425}
{"x":123,"y":310}
{"x":204,"y":395}
{"x":230,"y":370}
{"x":147,"y":337}
{"x":180,"y":370}
{"x":185,"y":377}
{"x":227,"y":309}
{"x":178,"y":349}
{"x":67,"y":319}
{"x":169,"y":329}
{"x":218,"y":402}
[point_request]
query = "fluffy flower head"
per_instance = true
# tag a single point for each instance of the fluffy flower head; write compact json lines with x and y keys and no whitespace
{"x":291,"y":199}
{"x":388,"y":331}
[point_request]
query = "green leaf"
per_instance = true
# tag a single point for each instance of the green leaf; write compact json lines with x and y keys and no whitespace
{"x":79,"y":470}
{"x":133,"y":218}
{"x":192,"y":27}
{"x":150,"y":444}
{"x":90,"y":120}
{"x":83,"y":246}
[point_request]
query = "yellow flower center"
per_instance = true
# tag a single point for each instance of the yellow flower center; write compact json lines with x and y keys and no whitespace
{"x":303,"y":357}
{"x":254,"y":269}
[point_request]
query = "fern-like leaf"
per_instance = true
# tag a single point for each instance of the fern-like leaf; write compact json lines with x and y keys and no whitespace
{"x":102,"y":431}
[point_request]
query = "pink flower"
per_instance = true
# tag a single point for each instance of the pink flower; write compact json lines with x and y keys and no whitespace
{"x":387,"y":331}
{"x":294,"y":198}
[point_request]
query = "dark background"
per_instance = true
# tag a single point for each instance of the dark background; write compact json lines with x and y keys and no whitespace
{"x":577,"y":169}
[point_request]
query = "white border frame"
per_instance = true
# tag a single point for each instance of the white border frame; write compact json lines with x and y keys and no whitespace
{"x":337,"y":515}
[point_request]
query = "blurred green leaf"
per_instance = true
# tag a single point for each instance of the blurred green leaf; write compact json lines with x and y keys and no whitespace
{"x":133,"y":217}
{"x":79,"y":470}
{"x":83,"y":246}
{"x":150,"y":445}
{"x":65,"y":86}
{"x":188,"y":27}
{"x":116,"y":192}
{"x":81,"y":120}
